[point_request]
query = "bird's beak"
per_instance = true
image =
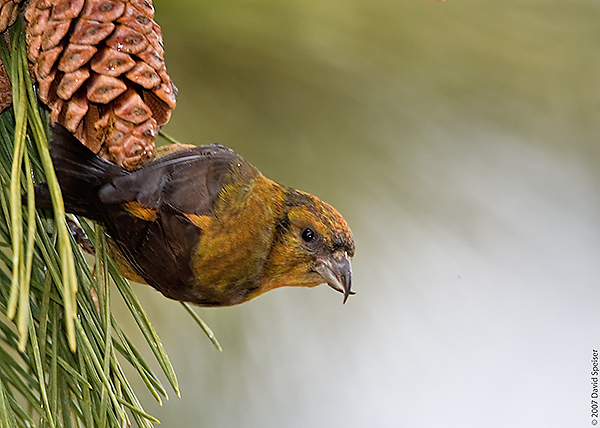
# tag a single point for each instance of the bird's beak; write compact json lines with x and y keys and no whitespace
{"x":337,"y":272}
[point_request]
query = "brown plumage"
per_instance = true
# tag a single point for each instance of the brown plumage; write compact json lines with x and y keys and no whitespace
{"x":203,"y":225}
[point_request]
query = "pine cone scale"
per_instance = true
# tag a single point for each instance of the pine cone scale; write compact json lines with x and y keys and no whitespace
{"x":103,"y":10}
{"x":89,"y":32}
{"x":54,"y":33}
{"x":75,"y":57}
{"x":66,"y":9}
{"x":71,"y":82}
{"x":112,"y":63}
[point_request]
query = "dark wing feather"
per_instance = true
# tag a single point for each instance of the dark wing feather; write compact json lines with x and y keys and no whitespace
{"x":188,"y":180}
{"x":185,"y":182}
{"x":161,"y":252}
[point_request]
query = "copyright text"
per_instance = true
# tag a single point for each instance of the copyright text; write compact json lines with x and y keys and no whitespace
{"x":594,"y":395}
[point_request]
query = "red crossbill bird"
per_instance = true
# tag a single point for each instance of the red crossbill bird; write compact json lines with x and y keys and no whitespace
{"x":203,"y":225}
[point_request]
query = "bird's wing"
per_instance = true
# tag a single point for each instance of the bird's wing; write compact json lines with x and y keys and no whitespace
{"x":188,"y":180}
{"x":155,"y":214}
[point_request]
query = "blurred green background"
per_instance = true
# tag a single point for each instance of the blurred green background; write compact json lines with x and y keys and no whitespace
{"x":461,"y":142}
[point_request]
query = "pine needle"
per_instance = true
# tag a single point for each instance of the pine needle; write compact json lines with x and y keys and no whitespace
{"x":209,"y":333}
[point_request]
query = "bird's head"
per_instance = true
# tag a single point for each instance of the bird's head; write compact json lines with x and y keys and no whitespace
{"x":313,"y":245}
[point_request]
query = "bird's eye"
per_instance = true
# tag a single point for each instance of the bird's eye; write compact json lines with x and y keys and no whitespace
{"x":308,"y":235}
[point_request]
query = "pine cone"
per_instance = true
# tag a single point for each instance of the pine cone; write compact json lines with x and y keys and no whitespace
{"x":100,"y":68}
{"x":9,"y":11}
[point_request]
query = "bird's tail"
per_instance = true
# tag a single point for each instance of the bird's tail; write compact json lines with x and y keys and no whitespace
{"x":80,"y":173}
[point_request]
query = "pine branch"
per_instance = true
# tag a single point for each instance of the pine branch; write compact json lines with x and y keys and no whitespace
{"x":58,"y":339}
